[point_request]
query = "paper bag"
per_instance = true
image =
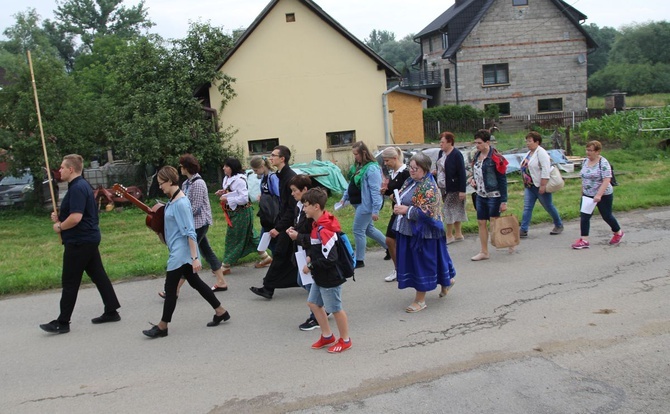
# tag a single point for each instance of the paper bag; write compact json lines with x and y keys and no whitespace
{"x":505,"y":232}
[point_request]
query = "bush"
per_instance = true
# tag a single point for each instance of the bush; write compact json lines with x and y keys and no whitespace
{"x":446,"y":113}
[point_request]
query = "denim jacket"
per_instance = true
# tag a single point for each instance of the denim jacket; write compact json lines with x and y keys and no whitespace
{"x":493,"y":180}
{"x":370,"y":184}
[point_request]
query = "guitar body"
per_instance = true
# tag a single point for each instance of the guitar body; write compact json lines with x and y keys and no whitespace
{"x":155,"y":219}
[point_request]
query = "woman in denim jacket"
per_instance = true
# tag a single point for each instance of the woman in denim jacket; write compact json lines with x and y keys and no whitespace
{"x":490,"y":184}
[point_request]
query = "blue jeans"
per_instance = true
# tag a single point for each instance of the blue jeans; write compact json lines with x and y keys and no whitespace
{"x":205,"y":249}
{"x":530,"y":195}
{"x":605,"y":210}
{"x":363,"y":226}
{"x":487,"y":207}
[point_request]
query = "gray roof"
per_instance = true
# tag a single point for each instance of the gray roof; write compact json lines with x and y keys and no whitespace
{"x":459,"y":20}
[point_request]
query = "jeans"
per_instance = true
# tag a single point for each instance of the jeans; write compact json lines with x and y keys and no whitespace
{"x":329,"y":298}
{"x":605,"y":210}
{"x":363,"y":226}
{"x":532,"y":194}
{"x":78,"y":258}
{"x":205,"y":249}
{"x":487,"y":207}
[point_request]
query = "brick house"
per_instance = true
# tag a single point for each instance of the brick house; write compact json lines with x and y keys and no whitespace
{"x":526,"y":56}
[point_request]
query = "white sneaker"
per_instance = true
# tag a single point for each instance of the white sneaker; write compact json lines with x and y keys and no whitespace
{"x":391,"y":277}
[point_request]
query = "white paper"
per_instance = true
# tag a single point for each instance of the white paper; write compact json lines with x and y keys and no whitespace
{"x":339,"y":205}
{"x":396,"y":193}
{"x":588,"y":205}
{"x":265,"y":242}
{"x":301,"y":260}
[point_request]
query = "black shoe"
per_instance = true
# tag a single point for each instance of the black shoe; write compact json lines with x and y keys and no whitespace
{"x":310,"y":324}
{"x":56,"y":327}
{"x":107,"y":317}
{"x":388,"y":255}
{"x":359,"y":264}
{"x":262,"y":292}
{"x":218,"y":319}
{"x":156,"y":332}
{"x":523,"y":233}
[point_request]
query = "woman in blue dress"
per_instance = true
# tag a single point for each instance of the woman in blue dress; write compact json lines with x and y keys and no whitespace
{"x":422,"y":258}
{"x":183,"y":259}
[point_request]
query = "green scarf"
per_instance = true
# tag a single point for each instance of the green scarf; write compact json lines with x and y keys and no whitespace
{"x":357,"y":175}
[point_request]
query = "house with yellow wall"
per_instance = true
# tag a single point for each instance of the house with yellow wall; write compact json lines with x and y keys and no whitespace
{"x":302,"y":80}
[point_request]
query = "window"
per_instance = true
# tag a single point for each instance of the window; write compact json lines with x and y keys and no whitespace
{"x":290,"y":17}
{"x":430,"y":44}
{"x":496,"y":74}
{"x":503,"y":108}
{"x":340,"y":138}
{"x":445,"y":41}
{"x":447,"y":79}
{"x":520,"y":2}
{"x":550,"y":105}
{"x":262,"y":146}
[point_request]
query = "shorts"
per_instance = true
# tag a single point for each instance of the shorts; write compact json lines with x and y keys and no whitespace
{"x":487,"y":207}
{"x":330,"y":298}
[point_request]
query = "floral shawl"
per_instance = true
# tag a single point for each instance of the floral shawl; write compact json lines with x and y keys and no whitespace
{"x":426,"y":197}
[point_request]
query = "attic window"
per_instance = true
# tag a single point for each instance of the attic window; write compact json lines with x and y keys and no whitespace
{"x":520,"y":2}
{"x":290,"y":17}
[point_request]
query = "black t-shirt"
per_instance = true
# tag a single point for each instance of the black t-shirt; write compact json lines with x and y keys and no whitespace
{"x":79,"y":199}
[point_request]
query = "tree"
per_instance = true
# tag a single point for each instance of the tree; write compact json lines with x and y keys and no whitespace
{"x":378,"y":38}
{"x":643,"y":43}
{"x":91,"y":18}
{"x":401,"y":54}
{"x":605,"y":38}
{"x":26,"y":34}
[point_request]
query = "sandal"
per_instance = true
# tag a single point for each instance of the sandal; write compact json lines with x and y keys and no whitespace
{"x":445,"y":290}
{"x":418,"y":308}
{"x":162,"y":295}
{"x":263,"y":263}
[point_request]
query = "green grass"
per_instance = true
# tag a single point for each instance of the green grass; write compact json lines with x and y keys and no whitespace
{"x":32,"y":253}
{"x":636,"y":101}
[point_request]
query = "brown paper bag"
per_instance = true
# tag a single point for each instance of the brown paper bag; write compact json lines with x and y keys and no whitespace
{"x":505,"y":232}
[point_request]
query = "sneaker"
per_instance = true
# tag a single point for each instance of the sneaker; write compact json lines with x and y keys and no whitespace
{"x":107,"y":317}
{"x":340,"y":346}
{"x":309,"y":325}
{"x":55,"y":327}
{"x":616,"y":238}
{"x":359,"y":264}
{"x":323,"y":342}
{"x":581,"y":244}
{"x":393,"y":276}
{"x":556,"y":230}
{"x":523,"y":233}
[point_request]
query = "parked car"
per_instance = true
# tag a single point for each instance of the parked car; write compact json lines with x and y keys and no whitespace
{"x":17,"y":190}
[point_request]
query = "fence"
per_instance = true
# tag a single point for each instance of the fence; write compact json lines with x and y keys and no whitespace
{"x":512,"y":124}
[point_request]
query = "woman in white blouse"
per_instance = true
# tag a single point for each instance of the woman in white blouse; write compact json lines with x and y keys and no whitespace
{"x":234,"y":195}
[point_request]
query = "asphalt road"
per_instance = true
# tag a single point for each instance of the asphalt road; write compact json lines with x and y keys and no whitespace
{"x":544,"y":330}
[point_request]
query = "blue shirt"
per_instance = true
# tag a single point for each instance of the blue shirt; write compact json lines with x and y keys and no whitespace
{"x":79,"y":199}
{"x":178,"y":229}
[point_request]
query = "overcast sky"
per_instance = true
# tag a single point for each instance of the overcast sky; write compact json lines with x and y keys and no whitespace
{"x":358,"y":16}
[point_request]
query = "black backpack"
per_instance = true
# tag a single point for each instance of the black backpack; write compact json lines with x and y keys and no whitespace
{"x":613,"y":180}
{"x":345,"y":255}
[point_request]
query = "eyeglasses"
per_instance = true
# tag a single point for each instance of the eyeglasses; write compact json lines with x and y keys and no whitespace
{"x":274,"y":155}
{"x":414,"y":169}
{"x":160,"y":184}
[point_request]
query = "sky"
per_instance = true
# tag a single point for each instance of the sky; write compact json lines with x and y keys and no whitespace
{"x":359,"y":17}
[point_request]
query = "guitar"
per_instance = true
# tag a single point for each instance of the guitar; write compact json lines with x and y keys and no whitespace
{"x":155,"y":216}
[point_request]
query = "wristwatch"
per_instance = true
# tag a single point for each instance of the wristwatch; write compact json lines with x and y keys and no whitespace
{"x":309,"y":265}
{"x":194,"y":258}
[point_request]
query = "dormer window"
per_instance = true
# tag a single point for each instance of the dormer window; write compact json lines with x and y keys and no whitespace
{"x":520,"y":2}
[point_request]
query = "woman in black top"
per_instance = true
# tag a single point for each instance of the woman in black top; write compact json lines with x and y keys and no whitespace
{"x":398,"y":173}
{"x":451,"y":181}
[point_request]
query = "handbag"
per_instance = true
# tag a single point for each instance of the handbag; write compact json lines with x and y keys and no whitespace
{"x":556,"y":181}
{"x":505,"y":232}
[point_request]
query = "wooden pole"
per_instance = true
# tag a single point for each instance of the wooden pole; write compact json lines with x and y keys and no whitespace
{"x":44,"y":145}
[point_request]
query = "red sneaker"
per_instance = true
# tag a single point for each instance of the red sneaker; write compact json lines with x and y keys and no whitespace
{"x":616,"y":238}
{"x":581,"y":244}
{"x":323,"y":342}
{"x":340,"y":346}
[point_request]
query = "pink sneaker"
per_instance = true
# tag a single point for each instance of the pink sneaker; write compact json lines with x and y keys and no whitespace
{"x":323,"y":342}
{"x":616,"y":238}
{"x":581,"y":244}
{"x":340,"y":346}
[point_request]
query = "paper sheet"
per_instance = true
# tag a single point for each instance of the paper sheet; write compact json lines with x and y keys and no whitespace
{"x":339,"y":205}
{"x":396,"y":193}
{"x":588,"y":205}
{"x":265,"y":242}
{"x":301,"y":260}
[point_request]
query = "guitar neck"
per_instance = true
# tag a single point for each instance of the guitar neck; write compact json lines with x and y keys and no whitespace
{"x":121,"y":190}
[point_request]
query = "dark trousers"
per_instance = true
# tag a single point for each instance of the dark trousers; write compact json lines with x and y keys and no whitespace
{"x":78,"y":258}
{"x":605,"y":209}
{"x":205,"y":249}
{"x":171,"y":282}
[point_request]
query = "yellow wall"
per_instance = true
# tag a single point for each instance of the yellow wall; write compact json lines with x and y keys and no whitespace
{"x":407,"y":115}
{"x":297,"y":81}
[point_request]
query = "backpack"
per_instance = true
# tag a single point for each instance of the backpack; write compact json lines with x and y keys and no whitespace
{"x":346,"y":257}
{"x":268,"y":207}
{"x":613,"y":180}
